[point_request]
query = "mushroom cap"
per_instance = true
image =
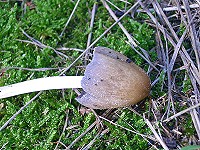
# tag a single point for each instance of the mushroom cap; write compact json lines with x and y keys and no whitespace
{"x":112,"y":80}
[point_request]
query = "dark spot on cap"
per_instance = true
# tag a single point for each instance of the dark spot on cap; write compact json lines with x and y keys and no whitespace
{"x":101,"y":79}
{"x":109,"y":51}
{"x":89,"y":78}
{"x":128,"y":60}
{"x":95,"y":105}
{"x":95,"y":84}
{"x":117,"y":57}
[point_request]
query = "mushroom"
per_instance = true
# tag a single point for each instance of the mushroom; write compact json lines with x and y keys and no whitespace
{"x":111,"y":80}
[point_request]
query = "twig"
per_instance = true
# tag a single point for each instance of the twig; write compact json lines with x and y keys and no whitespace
{"x":135,"y":132}
{"x":69,"y":49}
{"x":182,"y":112}
{"x":82,"y":134}
{"x":90,"y":34}
{"x":93,"y":140}
{"x":69,"y":19}
{"x":39,"y":44}
{"x":173,"y":8}
{"x":156,"y":134}
{"x":114,"y":5}
{"x":182,"y":7}
{"x":125,"y":1}
{"x":32,"y":69}
{"x":91,"y":24}
{"x":196,"y":122}
{"x":193,"y":34}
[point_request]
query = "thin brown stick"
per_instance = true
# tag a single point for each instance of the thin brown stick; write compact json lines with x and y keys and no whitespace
{"x":195,"y":120}
{"x":39,"y":44}
{"x":193,"y":34}
{"x":181,"y":112}
{"x":69,"y":49}
{"x":156,"y":134}
{"x":90,"y":34}
{"x":92,"y":141}
{"x":82,"y":134}
{"x":149,"y":137}
{"x":32,"y":69}
{"x":70,"y":17}
{"x":91,"y":24}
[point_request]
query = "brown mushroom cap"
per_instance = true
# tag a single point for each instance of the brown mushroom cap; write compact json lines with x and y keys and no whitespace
{"x":112,"y":80}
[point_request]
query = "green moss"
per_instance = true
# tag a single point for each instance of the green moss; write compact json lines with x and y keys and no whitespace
{"x":40,"y":125}
{"x":119,"y":138}
{"x":187,"y":85}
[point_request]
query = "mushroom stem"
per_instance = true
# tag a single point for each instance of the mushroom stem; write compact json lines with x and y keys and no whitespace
{"x":40,"y":84}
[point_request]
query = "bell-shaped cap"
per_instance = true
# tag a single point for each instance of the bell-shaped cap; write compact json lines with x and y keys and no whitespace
{"x":112,"y":80}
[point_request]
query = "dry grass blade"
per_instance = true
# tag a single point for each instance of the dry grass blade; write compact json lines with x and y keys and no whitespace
{"x":97,"y":123}
{"x":135,"y":132}
{"x":182,"y":112}
{"x":160,"y":11}
{"x":64,"y":127}
{"x":91,"y":24}
{"x":30,"y":69}
{"x":178,"y":46}
{"x":156,"y":134}
{"x":196,"y":121}
{"x":39,"y":44}
{"x":82,"y":134}
{"x":114,"y":5}
{"x":69,"y":49}
{"x":193,"y":34}
{"x":92,"y":141}
{"x":3,"y":146}
{"x":70,"y":17}
{"x":90,"y":34}
{"x":147,"y":60}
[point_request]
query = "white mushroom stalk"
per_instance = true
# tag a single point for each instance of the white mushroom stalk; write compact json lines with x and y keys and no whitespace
{"x":40,"y":84}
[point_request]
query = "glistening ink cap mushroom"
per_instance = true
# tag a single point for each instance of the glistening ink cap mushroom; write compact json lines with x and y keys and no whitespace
{"x":112,"y":80}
